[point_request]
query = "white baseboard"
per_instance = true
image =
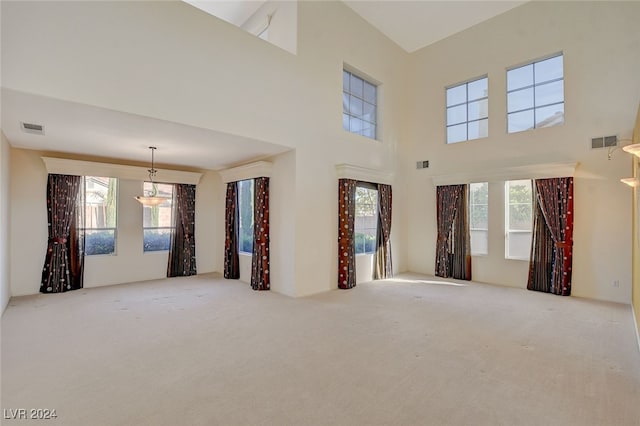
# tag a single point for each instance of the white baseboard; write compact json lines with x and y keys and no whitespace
{"x":635,"y":324}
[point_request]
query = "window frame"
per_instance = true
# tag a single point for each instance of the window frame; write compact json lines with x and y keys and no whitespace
{"x":82,"y":220}
{"x":533,"y":87}
{"x":466,"y":103}
{"x":376,"y":85}
{"x":173,"y":212}
{"x":508,"y":231}
{"x":371,"y":187}
{"x":471,"y":204}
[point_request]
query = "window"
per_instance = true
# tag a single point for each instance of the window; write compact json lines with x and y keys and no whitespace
{"x":359,"y":105}
{"x":366,"y":220}
{"x":245,"y":203}
{"x":468,"y":111}
{"x":100,"y":210}
{"x":535,"y":95}
{"x":479,"y":218}
{"x":157,"y":221}
{"x":518,"y":219}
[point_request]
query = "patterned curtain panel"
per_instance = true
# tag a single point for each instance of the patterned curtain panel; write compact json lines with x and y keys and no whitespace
{"x":182,"y":250}
{"x":231,"y":261}
{"x":447,"y":206}
{"x":346,"y":234}
{"x":260,"y":259}
{"x":64,"y":259}
{"x":384,"y":266}
{"x":461,"y":256}
{"x":552,"y":249}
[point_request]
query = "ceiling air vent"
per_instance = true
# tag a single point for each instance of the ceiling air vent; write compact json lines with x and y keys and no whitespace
{"x":604,"y":142}
{"x":36,"y":129}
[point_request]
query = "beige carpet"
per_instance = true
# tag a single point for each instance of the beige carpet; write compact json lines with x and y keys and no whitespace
{"x":205,"y":351}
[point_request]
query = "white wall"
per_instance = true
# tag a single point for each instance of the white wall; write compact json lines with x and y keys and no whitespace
{"x":283,"y":31}
{"x":5,"y":222}
{"x":130,"y":263}
{"x":601,"y":57}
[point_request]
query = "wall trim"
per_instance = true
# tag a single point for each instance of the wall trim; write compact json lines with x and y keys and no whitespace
{"x":531,"y":171}
{"x":247,"y":171}
{"x":349,"y":171}
{"x":120,"y":171}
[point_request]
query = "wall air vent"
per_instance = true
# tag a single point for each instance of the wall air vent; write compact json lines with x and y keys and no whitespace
{"x":422,"y":164}
{"x":604,"y":142}
{"x":36,"y":129}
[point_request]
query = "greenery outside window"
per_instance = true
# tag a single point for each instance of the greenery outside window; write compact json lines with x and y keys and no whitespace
{"x":366,"y":220}
{"x":245,"y":204}
{"x":158,"y":220}
{"x":100,"y":211}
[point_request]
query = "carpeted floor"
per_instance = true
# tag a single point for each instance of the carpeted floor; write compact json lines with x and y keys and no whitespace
{"x":409,"y":351}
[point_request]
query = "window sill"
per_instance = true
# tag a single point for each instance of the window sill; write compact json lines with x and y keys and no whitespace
{"x":517,"y":258}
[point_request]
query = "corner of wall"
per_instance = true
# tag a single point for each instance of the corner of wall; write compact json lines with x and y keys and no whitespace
{"x":5,"y":220}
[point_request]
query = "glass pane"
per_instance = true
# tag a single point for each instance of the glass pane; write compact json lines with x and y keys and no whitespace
{"x":345,"y":81}
{"x":156,"y":239}
{"x":356,"y":106}
{"x":478,"y":109}
{"x":479,"y":193}
{"x":369,"y":131}
{"x":369,"y":112}
{"x":100,"y":202}
{"x":520,"y":99}
{"x":478,"y":89}
{"x":519,"y":121}
{"x":356,"y":125}
{"x":550,"y":93}
{"x":457,"y":114}
{"x":370,"y":93}
{"x":457,"y":133}
{"x":366,"y":219}
{"x":519,"y":198}
{"x":478,"y":129}
{"x":359,"y":243}
{"x":245,"y":205}
{"x":549,"y":69}
{"x":99,"y":242}
{"x":345,"y":122}
{"x":345,"y":102}
{"x":520,"y":77}
{"x":356,"y":86}
{"x":479,"y":242}
{"x":160,"y":215}
{"x":519,"y":245}
{"x":457,"y":95}
{"x":479,"y":217}
{"x":550,"y":116}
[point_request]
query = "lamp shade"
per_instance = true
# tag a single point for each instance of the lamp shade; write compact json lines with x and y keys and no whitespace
{"x":150,"y":201}
{"x":632,"y":182}
{"x":632,"y":149}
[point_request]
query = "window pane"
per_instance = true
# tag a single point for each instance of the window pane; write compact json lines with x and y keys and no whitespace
{"x":549,"y":69}
{"x":157,"y":239}
{"x":160,"y":215}
{"x":366,"y":220}
{"x":356,"y":86}
{"x":457,"y":95}
{"x":355,"y":125}
{"x":479,"y":242}
{"x":520,"y":121}
{"x":457,"y":114}
{"x":519,"y":198}
{"x":369,"y":131}
{"x":369,"y":112}
{"x":479,"y":193}
{"x":345,"y":81}
{"x":550,"y":93}
{"x":519,"y":245}
{"x":100,"y":202}
{"x":345,"y":121}
{"x":479,"y":217}
{"x":99,"y":242}
{"x":520,"y":77}
{"x":345,"y":102}
{"x":478,"y":89}
{"x":520,"y":99}
{"x":356,"y":106}
{"x":478,"y":129}
{"x":370,"y":93}
{"x":457,"y":133}
{"x":479,"y":109}
{"x":550,"y":116}
{"x":245,"y":204}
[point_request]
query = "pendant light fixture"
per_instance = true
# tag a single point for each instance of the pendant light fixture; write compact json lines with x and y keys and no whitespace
{"x":151,"y":199}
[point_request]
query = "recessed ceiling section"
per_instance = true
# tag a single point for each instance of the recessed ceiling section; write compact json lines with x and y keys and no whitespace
{"x":235,"y":12}
{"x":416,"y":24}
{"x":98,"y":132}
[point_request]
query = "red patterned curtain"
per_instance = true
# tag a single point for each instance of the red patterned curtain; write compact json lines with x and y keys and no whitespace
{"x":260,"y":259}
{"x":64,"y":260}
{"x":346,"y":237}
{"x":384,"y":266}
{"x":552,"y":245}
{"x":182,"y":250}
{"x":231,"y":261}
{"x":449,"y":201}
{"x":461,"y":257}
